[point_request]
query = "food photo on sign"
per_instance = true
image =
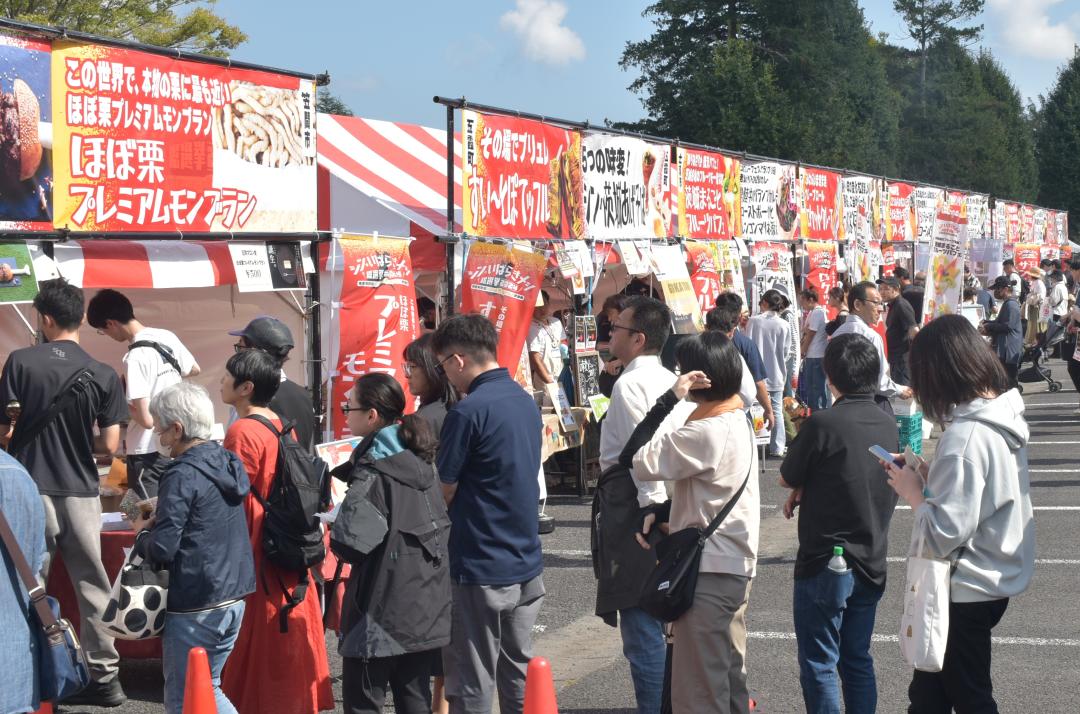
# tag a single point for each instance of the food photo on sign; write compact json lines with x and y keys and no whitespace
{"x":25,"y":135}
{"x":18,"y":283}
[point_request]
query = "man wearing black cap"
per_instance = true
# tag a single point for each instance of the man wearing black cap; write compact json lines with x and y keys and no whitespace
{"x":1005,"y":328}
{"x":900,"y":329}
{"x":292,"y":402}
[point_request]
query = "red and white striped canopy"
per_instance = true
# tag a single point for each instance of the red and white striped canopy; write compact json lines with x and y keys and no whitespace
{"x":400,"y":166}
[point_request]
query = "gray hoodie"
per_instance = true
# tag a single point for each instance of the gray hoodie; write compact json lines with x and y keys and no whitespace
{"x":980,"y":501}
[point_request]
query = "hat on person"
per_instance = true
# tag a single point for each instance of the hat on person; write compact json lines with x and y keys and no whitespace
{"x":782,"y":289}
{"x":892,"y":282}
{"x":1034,"y":272}
{"x":1000,"y":283}
{"x":266,"y":333}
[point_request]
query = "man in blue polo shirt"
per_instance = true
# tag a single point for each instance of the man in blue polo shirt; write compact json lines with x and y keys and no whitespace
{"x":488,"y":459}
{"x":725,"y":318}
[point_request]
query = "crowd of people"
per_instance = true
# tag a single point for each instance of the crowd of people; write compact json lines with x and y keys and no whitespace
{"x":439,"y":523}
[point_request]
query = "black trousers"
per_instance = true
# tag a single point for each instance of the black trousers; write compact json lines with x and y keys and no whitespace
{"x":144,"y":472}
{"x":963,"y":684}
{"x":1011,"y":370}
{"x":364,"y":683}
{"x":1068,"y":349}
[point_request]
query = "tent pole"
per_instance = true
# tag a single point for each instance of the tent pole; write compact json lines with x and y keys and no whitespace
{"x":313,"y":315}
{"x":450,"y":287}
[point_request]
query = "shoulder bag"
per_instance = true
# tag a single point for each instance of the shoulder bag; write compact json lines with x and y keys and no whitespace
{"x":669,"y":590}
{"x":924,"y":622}
{"x":62,"y":669}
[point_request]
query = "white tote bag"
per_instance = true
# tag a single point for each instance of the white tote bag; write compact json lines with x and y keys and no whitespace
{"x":924,"y":624}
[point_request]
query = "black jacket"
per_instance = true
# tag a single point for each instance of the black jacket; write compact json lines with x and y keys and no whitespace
{"x":398,"y":596}
{"x":201,"y":529}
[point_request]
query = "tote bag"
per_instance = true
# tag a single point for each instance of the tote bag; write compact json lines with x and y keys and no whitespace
{"x":136,"y":609}
{"x":924,"y":623}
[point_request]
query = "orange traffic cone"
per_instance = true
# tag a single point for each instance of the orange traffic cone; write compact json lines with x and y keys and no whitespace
{"x":45,"y":708}
{"x":198,"y":690}
{"x":540,"y":688}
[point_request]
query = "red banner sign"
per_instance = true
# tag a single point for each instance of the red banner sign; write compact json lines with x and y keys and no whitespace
{"x":1026,"y":256}
{"x":704,"y":274}
{"x":521,"y":178}
{"x":709,"y":195}
{"x":821,"y":208}
{"x":501,"y":283}
{"x":377,"y":319}
{"x":900,"y":223}
{"x":822,"y":268}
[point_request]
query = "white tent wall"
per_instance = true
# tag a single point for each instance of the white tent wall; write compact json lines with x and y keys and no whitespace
{"x":200,"y":317}
{"x":354,"y":210}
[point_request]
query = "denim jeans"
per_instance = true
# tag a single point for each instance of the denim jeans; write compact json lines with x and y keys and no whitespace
{"x":646,"y":650}
{"x":814,"y":382}
{"x":834,"y":621}
{"x":778,"y":438}
{"x":213,"y":630}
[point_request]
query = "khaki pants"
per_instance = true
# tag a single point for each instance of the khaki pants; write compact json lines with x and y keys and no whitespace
{"x":708,"y":665}
{"x":73,"y":525}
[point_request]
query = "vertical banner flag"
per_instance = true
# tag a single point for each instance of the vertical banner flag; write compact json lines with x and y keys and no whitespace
{"x":888,"y":259}
{"x":729,"y":264}
{"x":501,"y":283}
{"x":978,"y":216}
{"x":900,"y":223}
{"x":770,"y":209}
{"x":520,"y":178}
{"x":820,"y":207}
{"x":945,"y":277}
{"x":1038,"y":225}
{"x":821,"y":274}
{"x":704,"y":274}
{"x":1051,"y":228}
{"x":927,"y":201}
{"x":772,"y":263}
{"x":1013,"y":233}
{"x":1062,"y":220}
{"x":147,"y":142}
{"x":26,"y":188}
{"x":670,"y":268}
{"x":627,"y":187}
{"x":857,"y":226}
{"x":1027,"y":224}
{"x":377,"y":317}
{"x":709,"y":200}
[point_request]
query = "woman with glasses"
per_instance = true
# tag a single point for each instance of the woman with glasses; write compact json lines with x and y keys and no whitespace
{"x":394,"y":529}
{"x":772,"y":335}
{"x":427,"y":382}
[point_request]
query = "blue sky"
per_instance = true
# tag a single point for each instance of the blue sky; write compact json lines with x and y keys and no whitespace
{"x":553,"y":57}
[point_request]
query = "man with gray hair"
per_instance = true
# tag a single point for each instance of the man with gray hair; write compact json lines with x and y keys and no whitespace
{"x":199,"y":532}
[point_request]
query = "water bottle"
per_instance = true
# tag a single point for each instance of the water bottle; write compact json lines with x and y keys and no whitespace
{"x":837,"y":564}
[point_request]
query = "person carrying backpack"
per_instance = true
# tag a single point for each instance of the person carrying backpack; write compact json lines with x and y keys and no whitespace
{"x":393,"y":528}
{"x":273,"y":668}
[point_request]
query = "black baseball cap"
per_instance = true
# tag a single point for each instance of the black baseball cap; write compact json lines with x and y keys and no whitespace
{"x":1000,"y":283}
{"x":266,"y":333}
{"x":891,"y":282}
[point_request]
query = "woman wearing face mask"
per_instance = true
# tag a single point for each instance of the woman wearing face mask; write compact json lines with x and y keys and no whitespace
{"x":199,"y":532}
{"x":393,"y":529}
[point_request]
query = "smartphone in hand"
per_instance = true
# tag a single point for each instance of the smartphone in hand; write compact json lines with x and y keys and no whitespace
{"x":885,"y":456}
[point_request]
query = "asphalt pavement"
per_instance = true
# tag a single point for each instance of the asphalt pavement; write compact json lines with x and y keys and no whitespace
{"x":1036,"y":655}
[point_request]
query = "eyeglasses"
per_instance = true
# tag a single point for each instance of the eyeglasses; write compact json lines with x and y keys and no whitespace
{"x":439,"y":366}
{"x":345,"y":408}
{"x":879,"y":303}
{"x":407,"y":368}
{"x":617,"y":326}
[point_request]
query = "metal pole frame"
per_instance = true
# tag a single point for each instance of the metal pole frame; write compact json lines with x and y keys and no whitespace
{"x":450,"y":241}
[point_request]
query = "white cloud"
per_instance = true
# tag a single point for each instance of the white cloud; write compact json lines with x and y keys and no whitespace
{"x":544,"y":38}
{"x":1027,"y":29}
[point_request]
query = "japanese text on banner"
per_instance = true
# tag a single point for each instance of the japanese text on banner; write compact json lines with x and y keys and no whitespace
{"x":709,"y":204}
{"x":627,"y":187}
{"x":948,"y":253}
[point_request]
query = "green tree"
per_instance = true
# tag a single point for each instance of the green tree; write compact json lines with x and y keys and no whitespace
{"x":931,"y":20}
{"x":1057,"y":142}
{"x":327,"y":102}
{"x":189,"y":25}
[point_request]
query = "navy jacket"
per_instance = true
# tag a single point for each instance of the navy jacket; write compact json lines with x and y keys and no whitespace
{"x":201,"y":530}
{"x":1005,"y":331}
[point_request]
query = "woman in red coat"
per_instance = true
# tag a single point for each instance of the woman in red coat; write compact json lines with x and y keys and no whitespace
{"x":269,"y":670}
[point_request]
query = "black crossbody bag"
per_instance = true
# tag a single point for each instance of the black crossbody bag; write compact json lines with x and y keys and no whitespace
{"x":668,"y":592}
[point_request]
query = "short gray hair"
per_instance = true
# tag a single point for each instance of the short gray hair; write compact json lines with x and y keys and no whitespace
{"x":187,"y":404}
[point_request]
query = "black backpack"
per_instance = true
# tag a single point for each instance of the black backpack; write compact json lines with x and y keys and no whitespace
{"x":292,"y":537}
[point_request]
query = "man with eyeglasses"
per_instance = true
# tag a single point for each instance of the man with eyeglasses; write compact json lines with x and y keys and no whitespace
{"x":900,"y":328}
{"x":865,"y":303}
{"x":291,"y":402}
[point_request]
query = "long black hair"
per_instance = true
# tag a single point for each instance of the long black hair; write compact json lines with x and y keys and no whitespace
{"x":419,"y":352}
{"x":382,"y":393}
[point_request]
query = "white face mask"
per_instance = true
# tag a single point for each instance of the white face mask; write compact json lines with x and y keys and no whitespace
{"x":165,"y":451}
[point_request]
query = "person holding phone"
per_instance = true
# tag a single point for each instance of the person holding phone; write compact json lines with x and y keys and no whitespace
{"x":842,"y":501}
{"x":971,"y":504}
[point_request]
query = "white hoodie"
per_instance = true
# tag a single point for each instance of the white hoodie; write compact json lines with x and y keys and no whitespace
{"x":980,"y":501}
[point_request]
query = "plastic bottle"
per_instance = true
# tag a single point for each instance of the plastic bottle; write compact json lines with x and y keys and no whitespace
{"x":837,"y":564}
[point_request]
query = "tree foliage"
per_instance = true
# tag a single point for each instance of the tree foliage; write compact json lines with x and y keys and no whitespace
{"x":1057,"y":141}
{"x":932,"y":21}
{"x":327,"y":102}
{"x":188,"y":25}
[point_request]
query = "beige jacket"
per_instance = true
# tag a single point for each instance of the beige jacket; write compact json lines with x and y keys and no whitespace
{"x":707,"y":459}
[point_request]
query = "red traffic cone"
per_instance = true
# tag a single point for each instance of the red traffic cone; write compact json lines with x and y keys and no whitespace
{"x":540,"y":688}
{"x":45,"y":708}
{"x":198,"y":689}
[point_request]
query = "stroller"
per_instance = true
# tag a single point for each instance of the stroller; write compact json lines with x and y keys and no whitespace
{"x":1054,"y":335}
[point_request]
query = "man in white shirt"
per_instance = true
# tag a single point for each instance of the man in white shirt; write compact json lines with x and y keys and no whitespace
{"x":1016,"y":283}
{"x":813,"y":342}
{"x":545,"y":345}
{"x":864,"y":302}
{"x":155,"y":359}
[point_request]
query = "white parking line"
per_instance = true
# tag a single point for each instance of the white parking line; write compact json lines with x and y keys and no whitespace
{"x":1037,"y":508}
{"x":1054,"y":471}
{"x":1050,"y":404}
{"x":1038,"y":561}
{"x":1053,"y":443}
{"x":1029,"y":641}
